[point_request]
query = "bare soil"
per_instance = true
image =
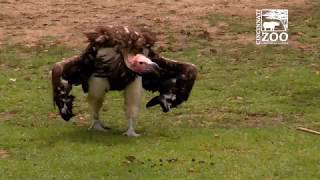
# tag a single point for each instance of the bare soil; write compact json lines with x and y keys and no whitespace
{"x":30,"y":21}
{"x":4,"y":154}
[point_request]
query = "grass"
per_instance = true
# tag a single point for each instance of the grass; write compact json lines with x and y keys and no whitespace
{"x":238,"y":124}
{"x":60,"y":152}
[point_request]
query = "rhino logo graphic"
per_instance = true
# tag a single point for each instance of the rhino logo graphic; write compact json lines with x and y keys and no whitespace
{"x":270,"y":25}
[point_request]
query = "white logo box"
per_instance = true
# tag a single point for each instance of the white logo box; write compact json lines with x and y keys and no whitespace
{"x":272,"y":26}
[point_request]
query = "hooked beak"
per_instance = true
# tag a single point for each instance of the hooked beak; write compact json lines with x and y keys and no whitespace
{"x":153,"y":69}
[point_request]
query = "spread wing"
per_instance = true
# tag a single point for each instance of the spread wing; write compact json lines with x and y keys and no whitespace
{"x":174,"y":83}
{"x":72,"y":71}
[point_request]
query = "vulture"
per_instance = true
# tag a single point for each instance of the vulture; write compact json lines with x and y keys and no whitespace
{"x":121,"y":58}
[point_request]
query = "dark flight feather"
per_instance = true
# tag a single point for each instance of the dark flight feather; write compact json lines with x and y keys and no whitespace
{"x":174,"y":83}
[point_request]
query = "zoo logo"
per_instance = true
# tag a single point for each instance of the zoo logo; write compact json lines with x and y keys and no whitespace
{"x":272,"y":26}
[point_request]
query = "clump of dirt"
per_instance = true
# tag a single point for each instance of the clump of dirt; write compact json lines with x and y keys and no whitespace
{"x":29,"y":21}
{"x":6,"y":116}
{"x":4,"y":154}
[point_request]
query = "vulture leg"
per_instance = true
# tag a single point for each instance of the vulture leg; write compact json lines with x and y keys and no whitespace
{"x":97,"y":90}
{"x":133,"y":95}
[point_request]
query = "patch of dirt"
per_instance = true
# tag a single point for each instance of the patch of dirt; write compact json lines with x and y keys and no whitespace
{"x":4,"y":154}
{"x":260,"y":120}
{"x":214,"y":117}
{"x":82,"y":120}
{"x":6,"y":116}
{"x":298,"y":45}
{"x":29,"y":21}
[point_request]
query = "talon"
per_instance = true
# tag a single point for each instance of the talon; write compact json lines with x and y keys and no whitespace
{"x":97,"y":125}
{"x":131,"y":133}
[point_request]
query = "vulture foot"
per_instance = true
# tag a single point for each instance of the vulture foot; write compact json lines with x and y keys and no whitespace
{"x":97,"y":125}
{"x":131,"y":133}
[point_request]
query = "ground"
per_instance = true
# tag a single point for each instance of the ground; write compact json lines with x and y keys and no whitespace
{"x":239,"y":123}
{"x":30,"y":21}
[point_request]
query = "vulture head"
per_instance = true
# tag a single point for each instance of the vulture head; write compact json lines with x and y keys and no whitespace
{"x":142,"y":65}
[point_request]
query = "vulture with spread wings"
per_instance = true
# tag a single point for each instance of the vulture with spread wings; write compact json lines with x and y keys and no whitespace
{"x":121,"y":58}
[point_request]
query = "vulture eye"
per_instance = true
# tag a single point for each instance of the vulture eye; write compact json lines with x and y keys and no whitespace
{"x":140,"y":62}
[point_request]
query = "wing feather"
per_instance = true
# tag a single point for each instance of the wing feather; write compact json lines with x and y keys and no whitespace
{"x":174,"y":84}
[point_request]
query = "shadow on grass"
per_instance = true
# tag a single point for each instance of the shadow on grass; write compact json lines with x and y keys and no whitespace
{"x":84,"y":136}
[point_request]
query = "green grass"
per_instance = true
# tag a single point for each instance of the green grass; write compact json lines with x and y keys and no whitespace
{"x":239,"y":122}
{"x":64,"y":152}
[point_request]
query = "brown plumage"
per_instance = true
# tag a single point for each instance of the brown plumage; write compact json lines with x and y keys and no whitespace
{"x":122,"y":37}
